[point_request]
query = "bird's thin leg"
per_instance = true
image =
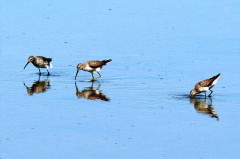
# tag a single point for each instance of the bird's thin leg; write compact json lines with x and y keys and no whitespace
{"x":92,"y":85}
{"x":48,"y":72}
{"x":205,"y":94}
{"x":39,"y":77}
{"x":205,"y":99}
{"x":99,"y":85}
{"x":210,"y":100}
{"x":98,"y":76}
{"x":210,"y":93}
{"x":39,"y":71}
{"x":92,"y":76}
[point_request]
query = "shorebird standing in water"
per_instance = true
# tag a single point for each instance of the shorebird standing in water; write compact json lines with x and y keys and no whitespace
{"x":40,"y":62}
{"x":92,"y":66}
{"x":204,"y":86}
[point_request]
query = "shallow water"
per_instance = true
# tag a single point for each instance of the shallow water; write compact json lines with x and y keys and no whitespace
{"x":159,"y":51}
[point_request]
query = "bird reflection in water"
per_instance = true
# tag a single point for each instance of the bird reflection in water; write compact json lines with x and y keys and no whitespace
{"x":204,"y":106}
{"x":38,"y":86}
{"x":91,"y":93}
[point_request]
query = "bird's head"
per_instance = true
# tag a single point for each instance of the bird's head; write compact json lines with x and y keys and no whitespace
{"x":193,"y":93}
{"x":79,"y":67}
{"x":30,"y":59}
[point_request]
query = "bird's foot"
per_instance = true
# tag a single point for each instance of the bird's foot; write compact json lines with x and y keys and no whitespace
{"x":97,"y":77}
{"x":93,"y":79}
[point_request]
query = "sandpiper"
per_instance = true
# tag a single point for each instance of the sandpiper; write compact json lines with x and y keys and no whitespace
{"x":204,"y":86}
{"x":92,"y":66}
{"x":91,"y":93}
{"x":40,"y":62}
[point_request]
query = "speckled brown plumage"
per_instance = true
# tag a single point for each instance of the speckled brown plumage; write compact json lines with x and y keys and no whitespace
{"x":39,"y":62}
{"x":96,"y":64}
{"x":208,"y":82}
{"x":205,"y":85}
{"x":92,"y":66}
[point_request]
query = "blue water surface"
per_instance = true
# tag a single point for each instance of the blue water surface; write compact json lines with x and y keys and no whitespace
{"x":159,"y":50}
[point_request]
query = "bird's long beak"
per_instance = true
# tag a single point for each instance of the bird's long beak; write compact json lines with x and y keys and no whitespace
{"x":26,"y":65}
{"x":76,"y":74}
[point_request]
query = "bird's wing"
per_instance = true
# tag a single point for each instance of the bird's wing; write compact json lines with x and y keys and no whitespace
{"x":95,"y":64}
{"x":45,"y":59}
{"x":208,"y":82}
{"x":205,"y":83}
{"x":48,"y":59}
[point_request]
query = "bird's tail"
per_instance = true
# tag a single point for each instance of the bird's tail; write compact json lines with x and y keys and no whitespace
{"x":217,"y":76}
{"x":49,"y":59}
{"x":215,"y":79}
{"x":49,"y":66}
{"x":106,"y":61}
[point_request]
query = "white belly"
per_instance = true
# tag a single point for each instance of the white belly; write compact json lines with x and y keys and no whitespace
{"x":90,"y":69}
{"x":97,"y":69}
{"x":204,"y":89}
{"x":87,"y":68}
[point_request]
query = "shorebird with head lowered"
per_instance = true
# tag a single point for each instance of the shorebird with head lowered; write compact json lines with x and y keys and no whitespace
{"x":92,"y":66}
{"x":40,"y":62}
{"x":204,"y":86}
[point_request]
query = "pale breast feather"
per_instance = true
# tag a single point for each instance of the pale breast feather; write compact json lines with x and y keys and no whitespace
{"x":98,"y":69}
{"x":88,"y":68}
{"x":204,"y":89}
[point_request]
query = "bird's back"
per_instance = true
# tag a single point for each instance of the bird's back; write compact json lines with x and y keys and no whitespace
{"x":42,"y":62}
{"x":45,"y":58}
{"x":96,"y":64}
{"x":209,"y":82}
